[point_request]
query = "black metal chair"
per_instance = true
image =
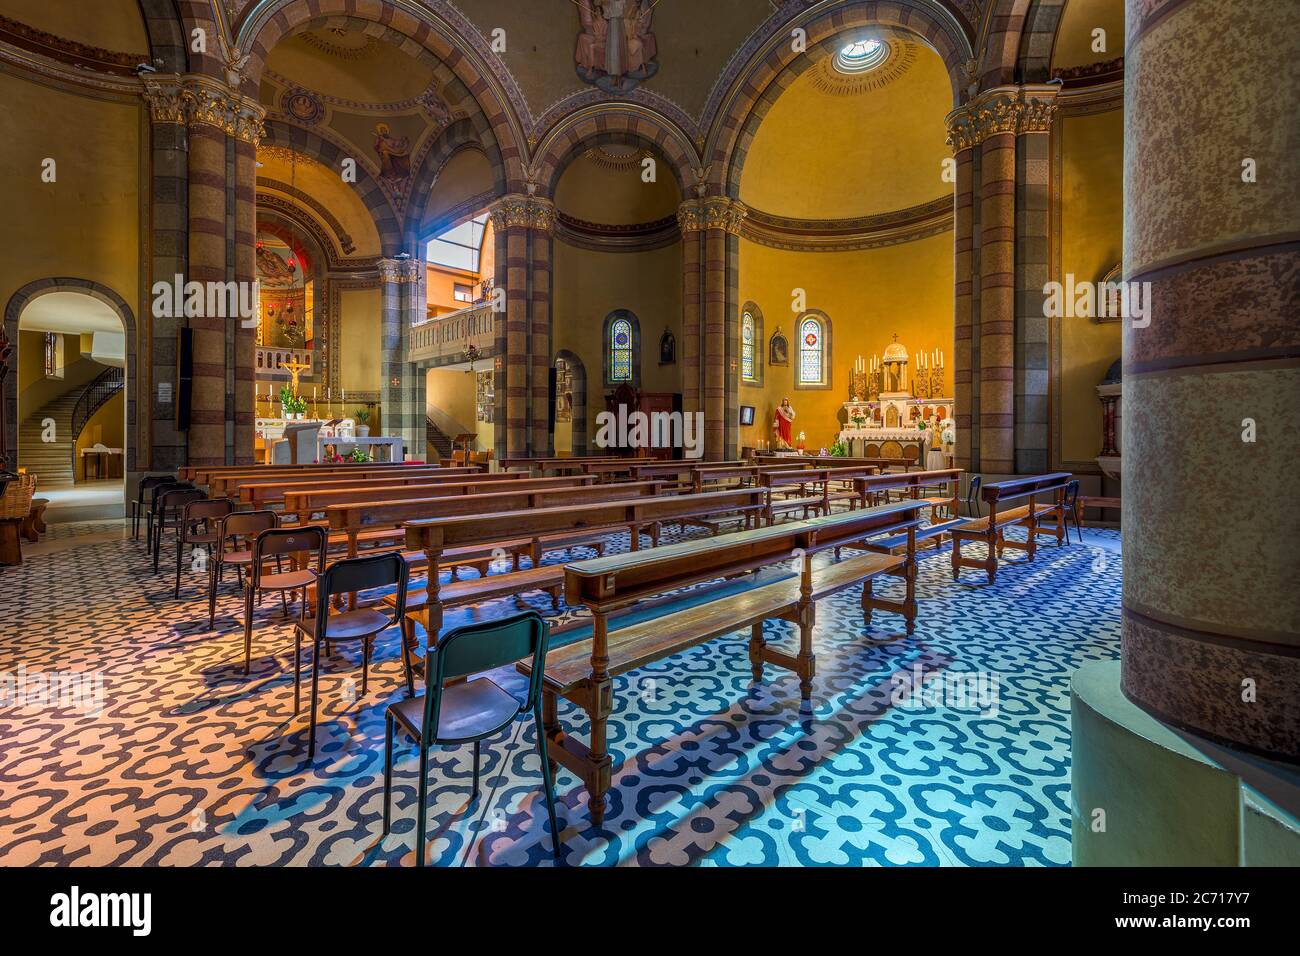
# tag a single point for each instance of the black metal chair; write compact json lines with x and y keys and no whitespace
{"x":169,"y":514}
{"x":469,"y":711}
{"x":198,"y":527}
{"x":235,"y":534}
{"x":973,"y":509}
{"x":155,"y":502}
{"x":361,"y":624}
{"x":138,"y":507}
{"x":276,"y":543}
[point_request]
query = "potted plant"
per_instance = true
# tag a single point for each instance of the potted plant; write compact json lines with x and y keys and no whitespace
{"x":286,"y":402}
{"x":362,"y":415}
{"x":840,"y":449}
{"x":359,"y":455}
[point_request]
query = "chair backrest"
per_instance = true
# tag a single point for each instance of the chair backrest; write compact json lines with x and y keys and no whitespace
{"x":179,"y":498}
{"x":244,"y":524}
{"x":973,"y":495}
{"x":207,"y":509}
{"x":1071,"y":495}
{"x":157,"y":491}
{"x":362,"y":574}
{"x":151,"y":481}
{"x":481,"y":647}
{"x":274,"y":541}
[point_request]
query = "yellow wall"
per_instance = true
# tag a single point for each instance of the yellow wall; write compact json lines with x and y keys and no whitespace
{"x":108,"y":24}
{"x":590,"y":285}
{"x":868,"y":295}
{"x":87,"y":223}
{"x":1074,"y":39}
{"x":1091,"y":243}
{"x":359,"y":356}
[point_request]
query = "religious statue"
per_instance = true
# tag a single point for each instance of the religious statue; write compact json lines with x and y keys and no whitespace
{"x":783,"y":425}
{"x":616,"y":49}
{"x":394,"y":156}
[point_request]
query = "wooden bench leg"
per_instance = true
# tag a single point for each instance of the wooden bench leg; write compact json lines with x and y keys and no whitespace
{"x":956,"y":556}
{"x":806,"y":661}
{"x":555,"y":597}
{"x":867,"y":591}
{"x":756,"y":645}
{"x":551,"y":726}
{"x":994,"y":553}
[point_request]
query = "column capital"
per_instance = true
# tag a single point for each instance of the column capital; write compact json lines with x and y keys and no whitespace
{"x":1004,"y":109}
{"x":517,"y":211}
{"x":722,"y":212}
{"x":690,"y":216}
{"x":400,"y":271}
{"x":194,"y":100}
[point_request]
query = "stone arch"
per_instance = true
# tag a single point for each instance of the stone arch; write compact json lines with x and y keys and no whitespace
{"x":456,"y":138}
{"x":460,"y":52}
{"x":1034,"y":62}
{"x":24,"y":297}
{"x":626,"y":125}
{"x":1021,"y":35}
{"x":329,"y":154}
{"x":775,"y":64}
{"x":166,"y":36}
{"x":769,"y":74}
{"x":579,"y":372}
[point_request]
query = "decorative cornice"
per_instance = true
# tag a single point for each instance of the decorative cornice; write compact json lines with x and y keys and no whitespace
{"x":517,"y":211}
{"x":1091,"y":73}
{"x":195,"y":100}
{"x":845,"y":235}
{"x":80,"y":55}
{"x":604,"y":237}
{"x":345,"y":242}
{"x":1004,"y":109}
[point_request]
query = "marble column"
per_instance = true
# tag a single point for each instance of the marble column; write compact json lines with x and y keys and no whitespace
{"x":245,"y":271}
{"x":962,"y":140}
{"x":513,"y":267}
{"x":690,"y":219}
{"x":401,"y":301}
{"x":1211,"y":627}
{"x":541,"y":221}
{"x":722,"y":219}
{"x":997,"y":289}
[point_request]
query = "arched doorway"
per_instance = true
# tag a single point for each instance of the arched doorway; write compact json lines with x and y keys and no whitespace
{"x":570,"y":435}
{"x":70,"y":414}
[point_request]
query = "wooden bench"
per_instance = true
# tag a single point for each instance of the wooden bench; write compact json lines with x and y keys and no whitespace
{"x":306,"y":501}
{"x":568,"y":465}
{"x":34,"y":523}
{"x":583,"y":671}
{"x":227,"y":486}
{"x":992,"y":527}
{"x":799,"y":479}
{"x":1094,"y":501}
{"x":199,"y":474}
{"x":265,"y":494}
{"x":435,"y":537}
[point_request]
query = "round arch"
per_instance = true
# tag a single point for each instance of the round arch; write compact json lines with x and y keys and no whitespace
{"x":770,"y":69}
{"x":625,"y":125}
{"x":578,"y":373}
{"x":14,"y":309}
{"x":455,"y":139}
{"x":458,"y":49}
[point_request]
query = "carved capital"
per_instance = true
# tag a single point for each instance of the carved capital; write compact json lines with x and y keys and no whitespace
{"x":1004,"y":109}
{"x":723,"y":213}
{"x":401,"y":271}
{"x":193,"y":100}
{"x":517,"y":211}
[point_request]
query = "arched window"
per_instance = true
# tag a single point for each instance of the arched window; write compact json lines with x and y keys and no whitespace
{"x":814,"y":370}
{"x":622,"y":349}
{"x":751,"y":345}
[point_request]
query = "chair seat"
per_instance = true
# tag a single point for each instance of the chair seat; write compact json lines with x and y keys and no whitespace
{"x":350,"y":625}
{"x":288,"y":581}
{"x":199,"y":537}
{"x":469,"y":710}
{"x":237,"y":557}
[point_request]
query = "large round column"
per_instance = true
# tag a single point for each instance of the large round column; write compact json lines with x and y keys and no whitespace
{"x":962,"y":140}
{"x":1211,"y":631}
{"x":997,"y":287}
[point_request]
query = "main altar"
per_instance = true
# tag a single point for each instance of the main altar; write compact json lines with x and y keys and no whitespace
{"x":897,"y":407}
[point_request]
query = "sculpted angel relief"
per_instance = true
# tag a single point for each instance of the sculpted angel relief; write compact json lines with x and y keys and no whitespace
{"x":616,"y":48}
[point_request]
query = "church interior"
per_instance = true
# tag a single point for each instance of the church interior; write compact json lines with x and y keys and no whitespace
{"x":649,"y":433}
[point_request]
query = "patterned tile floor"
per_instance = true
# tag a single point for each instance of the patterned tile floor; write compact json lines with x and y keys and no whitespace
{"x":189,"y":762}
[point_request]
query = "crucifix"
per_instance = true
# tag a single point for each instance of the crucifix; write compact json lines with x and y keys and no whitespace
{"x":295,"y":369}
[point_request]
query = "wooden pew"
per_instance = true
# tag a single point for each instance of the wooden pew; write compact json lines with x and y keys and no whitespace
{"x":990,"y":529}
{"x":609,"y":470}
{"x":870,"y":489}
{"x":583,"y":671}
{"x":434,"y":537}
{"x":800,"y":479}
{"x":198,"y":474}
{"x":227,"y":486}
{"x":308,"y":500}
{"x":266,"y":493}
{"x":566,"y":465}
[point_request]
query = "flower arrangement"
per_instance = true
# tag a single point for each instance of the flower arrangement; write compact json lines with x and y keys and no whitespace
{"x":362,"y":415}
{"x":359,"y":455}
{"x":291,"y":404}
{"x":948,"y":431}
{"x":840,"y":449}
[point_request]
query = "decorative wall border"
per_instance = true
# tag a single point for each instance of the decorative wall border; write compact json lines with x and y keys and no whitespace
{"x":843,"y":235}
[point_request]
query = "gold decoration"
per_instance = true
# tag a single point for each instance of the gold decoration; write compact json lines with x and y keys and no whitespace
{"x":1005,"y":109}
{"x":523,"y":212}
{"x":201,"y":101}
{"x":898,"y":61}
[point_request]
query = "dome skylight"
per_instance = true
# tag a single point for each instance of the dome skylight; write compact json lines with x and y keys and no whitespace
{"x":860,"y":56}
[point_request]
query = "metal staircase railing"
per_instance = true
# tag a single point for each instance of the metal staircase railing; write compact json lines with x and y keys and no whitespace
{"x":437,"y":438}
{"x":101,"y":388}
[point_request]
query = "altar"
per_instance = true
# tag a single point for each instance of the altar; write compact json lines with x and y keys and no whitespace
{"x":897,"y":410}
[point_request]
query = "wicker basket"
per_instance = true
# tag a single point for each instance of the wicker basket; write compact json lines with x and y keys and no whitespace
{"x":16,"y":501}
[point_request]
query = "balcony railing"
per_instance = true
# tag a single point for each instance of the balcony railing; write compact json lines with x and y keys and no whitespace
{"x":271,"y":362}
{"x":443,"y":340}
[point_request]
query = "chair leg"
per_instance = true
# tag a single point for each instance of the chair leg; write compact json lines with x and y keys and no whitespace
{"x":477,"y":756}
{"x":407,"y":628}
{"x":180,"y":541}
{"x":297,"y":671}
{"x":388,"y":772}
{"x":315,"y":682}
{"x":248,"y":628}
{"x":212,"y":593}
{"x":547,"y":779}
{"x":366,"y":643}
{"x":421,"y":812}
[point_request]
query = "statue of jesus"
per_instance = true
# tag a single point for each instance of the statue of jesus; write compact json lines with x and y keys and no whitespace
{"x":783,"y":424}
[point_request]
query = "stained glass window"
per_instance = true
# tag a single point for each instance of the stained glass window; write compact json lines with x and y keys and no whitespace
{"x":811,"y":353}
{"x":620,"y":351}
{"x":747,"y":348}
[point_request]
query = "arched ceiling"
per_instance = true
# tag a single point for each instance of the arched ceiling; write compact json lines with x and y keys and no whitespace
{"x":604,"y":185}
{"x":292,"y":179}
{"x":1074,"y":39}
{"x":70,"y":313}
{"x":349,"y":64}
{"x":836,"y":147}
{"x":467,"y":175}
{"x":115,"y":25}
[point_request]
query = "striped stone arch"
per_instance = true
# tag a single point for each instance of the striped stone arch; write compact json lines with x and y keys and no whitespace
{"x":330,"y":155}
{"x":167,"y":36}
{"x":467,"y":83}
{"x":775,"y":65}
{"x":626,"y":125}
{"x":13,"y":312}
{"x":1021,"y":34}
{"x":456,"y":138}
